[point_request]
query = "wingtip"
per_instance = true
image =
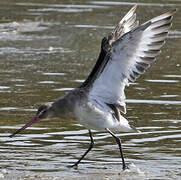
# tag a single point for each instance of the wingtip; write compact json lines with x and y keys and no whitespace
{"x":133,"y":9}
{"x":164,"y":16}
{"x":172,"y":12}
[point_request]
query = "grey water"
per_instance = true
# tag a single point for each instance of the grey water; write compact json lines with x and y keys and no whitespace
{"x":48,"y":48}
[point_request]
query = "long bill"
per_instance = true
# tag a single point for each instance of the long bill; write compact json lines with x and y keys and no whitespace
{"x":35,"y":119}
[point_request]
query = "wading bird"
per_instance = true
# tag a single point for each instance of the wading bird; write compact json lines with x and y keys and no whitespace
{"x":125,"y":54}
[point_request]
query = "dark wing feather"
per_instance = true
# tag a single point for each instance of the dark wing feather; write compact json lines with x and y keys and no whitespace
{"x":125,"y":25}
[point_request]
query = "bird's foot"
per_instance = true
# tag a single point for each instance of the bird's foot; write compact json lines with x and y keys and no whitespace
{"x":75,"y":166}
{"x":125,"y":167}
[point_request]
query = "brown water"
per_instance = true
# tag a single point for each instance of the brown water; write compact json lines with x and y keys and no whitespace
{"x":51,"y":51}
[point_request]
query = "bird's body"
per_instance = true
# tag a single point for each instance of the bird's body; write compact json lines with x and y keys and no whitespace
{"x":94,"y":114}
{"x":90,"y":113}
{"x":125,"y":54}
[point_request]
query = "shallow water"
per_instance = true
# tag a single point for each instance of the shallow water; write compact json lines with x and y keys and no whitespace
{"x":47,"y":51}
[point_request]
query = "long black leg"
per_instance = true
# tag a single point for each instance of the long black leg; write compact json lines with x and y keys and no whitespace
{"x":90,"y":147}
{"x":120,"y":148}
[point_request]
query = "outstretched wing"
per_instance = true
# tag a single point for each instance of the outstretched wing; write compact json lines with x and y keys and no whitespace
{"x":125,"y":25}
{"x":128,"y":58}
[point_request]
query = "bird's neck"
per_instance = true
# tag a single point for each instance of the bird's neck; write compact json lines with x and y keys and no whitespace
{"x":64,"y":107}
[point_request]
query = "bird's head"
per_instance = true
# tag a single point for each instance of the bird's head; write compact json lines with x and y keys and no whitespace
{"x":43,"y":112}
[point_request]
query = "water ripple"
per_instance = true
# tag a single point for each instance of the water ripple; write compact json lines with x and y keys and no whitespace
{"x":54,"y":74}
{"x":161,"y":81}
{"x":64,"y":89}
{"x":133,"y":3}
{"x":61,"y":5}
{"x":66,"y":10}
{"x":139,"y":101}
{"x":158,"y":138}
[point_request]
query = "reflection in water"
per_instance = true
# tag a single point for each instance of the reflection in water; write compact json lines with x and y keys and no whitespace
{"x":51,"y":51}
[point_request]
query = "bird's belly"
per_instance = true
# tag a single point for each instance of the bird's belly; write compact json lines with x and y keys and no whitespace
{"x":93,"y":118}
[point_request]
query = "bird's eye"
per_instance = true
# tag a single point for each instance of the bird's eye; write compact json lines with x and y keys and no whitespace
{"x":42,"y":113}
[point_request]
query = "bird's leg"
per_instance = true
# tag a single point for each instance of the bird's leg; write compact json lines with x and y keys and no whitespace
{"x":120,"y":148}
{"x":90,"y":147}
